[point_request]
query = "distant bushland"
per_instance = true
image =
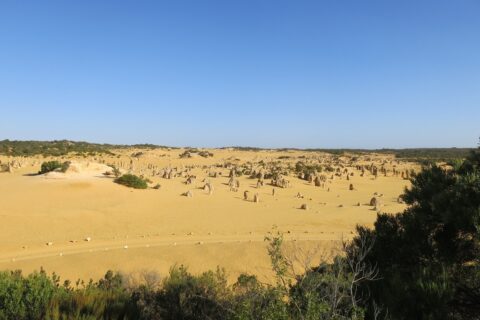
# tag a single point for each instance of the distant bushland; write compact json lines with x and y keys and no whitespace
{"x":419,"y":155}
{"x":52,"y":148}
{"x":64,"y":147}
{"x":58,"y":148}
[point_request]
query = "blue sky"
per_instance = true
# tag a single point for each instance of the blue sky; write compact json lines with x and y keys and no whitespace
{"x":327,"y":74}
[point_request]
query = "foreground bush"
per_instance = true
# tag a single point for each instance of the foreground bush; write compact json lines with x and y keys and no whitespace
{"x":39,"y":296}
{"x":50,"y":166}
{"x":132,"y":181}
{"x":428,"y":257}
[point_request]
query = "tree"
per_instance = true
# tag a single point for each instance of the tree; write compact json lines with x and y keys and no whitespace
{"x":327,"y":291}
{"x":428,"y":256}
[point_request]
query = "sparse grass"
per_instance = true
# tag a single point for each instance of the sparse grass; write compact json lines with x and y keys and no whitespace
{"x":116,"y":172}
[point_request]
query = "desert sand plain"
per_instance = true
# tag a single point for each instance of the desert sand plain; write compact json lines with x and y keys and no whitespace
{"x":80,"y":223}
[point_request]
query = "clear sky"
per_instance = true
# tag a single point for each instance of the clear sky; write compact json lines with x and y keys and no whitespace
{"x":327,"y":74}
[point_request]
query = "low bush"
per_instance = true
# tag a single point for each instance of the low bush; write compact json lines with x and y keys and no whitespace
{"x":205,"y":154}
{"x":307,"y":170}
{"x":132,"y":181}
{"x":50,"y":166}
{"x":190,"y":152}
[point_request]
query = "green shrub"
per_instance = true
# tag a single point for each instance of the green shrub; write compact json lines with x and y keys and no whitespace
{"x":50,"y":166}
{"x":132,"y":181}
{"x":205,"y":154}
{"x":185,"y":296}
{"x":307,"y":170}
{"x":11,"y":295}
{"x":188,"y":153}
{"x":25,"y":297}
{"x":38,"y":292}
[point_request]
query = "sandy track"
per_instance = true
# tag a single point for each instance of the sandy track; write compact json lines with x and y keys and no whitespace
{"x":150,"y":242}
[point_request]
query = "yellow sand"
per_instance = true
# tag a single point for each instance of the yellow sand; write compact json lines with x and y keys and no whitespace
{"x":46,"y":220}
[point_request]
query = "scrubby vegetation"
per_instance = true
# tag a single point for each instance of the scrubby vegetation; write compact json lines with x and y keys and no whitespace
{"x":52,"y":148}
{"x":50,"y":166}
{"x":132,"y":181}
{"x":137,"y":154}
{"x":306,"y":169}
{"x":39,"y":296}
{"x":115,"y":171}
{"x":190,"y":152}
{"x":431,"y":154}
{"x":64,"y":147}
{"x":420,"y":155}
{"x":244,"y":148}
